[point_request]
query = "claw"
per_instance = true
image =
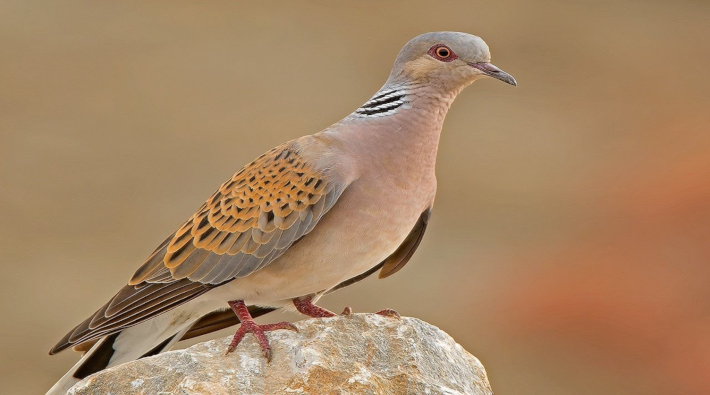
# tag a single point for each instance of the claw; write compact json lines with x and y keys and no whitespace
{"x":390,"y":313}
{"x":305,"y":306}
{"x":249,"y":326}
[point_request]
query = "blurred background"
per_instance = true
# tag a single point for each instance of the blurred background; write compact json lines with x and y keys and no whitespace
{"x":570,"y":240}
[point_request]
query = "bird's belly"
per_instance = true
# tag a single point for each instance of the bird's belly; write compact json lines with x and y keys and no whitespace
{"x":354,"y":236}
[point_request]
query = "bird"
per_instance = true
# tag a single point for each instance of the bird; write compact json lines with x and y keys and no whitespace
{"x":306,"y":218}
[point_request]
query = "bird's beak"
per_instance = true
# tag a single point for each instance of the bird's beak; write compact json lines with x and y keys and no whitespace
{"x":491,"y":70}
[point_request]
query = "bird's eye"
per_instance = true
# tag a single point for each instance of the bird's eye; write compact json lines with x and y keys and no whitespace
{"x":442,"y":52}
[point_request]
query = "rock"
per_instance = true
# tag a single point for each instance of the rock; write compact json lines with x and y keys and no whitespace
{"x":360,"y":354}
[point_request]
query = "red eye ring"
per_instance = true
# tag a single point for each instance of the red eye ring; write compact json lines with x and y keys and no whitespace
{"x":442,"y":52}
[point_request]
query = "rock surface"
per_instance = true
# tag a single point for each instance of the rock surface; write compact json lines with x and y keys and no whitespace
{"x":360,"y":354}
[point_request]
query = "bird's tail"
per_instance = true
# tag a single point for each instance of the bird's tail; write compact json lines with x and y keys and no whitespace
{"x":146,"y":339}
{"x":129,"y":344}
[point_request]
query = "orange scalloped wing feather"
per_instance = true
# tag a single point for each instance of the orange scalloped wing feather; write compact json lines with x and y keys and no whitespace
{"x":250,"y":221}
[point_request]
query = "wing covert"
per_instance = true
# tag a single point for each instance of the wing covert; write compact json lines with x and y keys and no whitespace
{"x":251,"y":220}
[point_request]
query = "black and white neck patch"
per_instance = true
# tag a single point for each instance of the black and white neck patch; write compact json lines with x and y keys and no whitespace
{"x":384,"y":103}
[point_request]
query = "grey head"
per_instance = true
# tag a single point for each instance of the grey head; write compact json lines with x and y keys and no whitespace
{"x":450,"y":60}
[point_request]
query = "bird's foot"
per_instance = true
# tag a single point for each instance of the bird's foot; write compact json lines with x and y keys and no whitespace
{"x":390,"y":313}
{"x":249,"y":326}
{"x":386,"y":312}
{"x":259,"y":332}
{"x":306,"y":306}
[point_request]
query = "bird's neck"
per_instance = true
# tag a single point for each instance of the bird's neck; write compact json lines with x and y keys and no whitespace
{"x":406,"y":116}
{"x":410,"y":99}
{"x":399,"y":127}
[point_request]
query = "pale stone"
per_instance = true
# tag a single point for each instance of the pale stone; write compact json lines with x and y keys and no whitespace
{"x":360,"y":354}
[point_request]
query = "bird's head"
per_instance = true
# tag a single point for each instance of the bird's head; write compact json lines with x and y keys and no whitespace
{"x":450,"y":60}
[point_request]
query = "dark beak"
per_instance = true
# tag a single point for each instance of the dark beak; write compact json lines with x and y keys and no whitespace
{"x":491,"y":70}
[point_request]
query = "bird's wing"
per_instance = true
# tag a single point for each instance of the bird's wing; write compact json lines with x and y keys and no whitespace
{"x":251,"y":220}
{"x":221,"y":319}
{"x":148,"y":300}
{"x":403,"y":254}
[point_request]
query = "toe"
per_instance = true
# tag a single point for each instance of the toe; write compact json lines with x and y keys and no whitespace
{"x":267,"y":354}
{"x":389,"y":313}
{"x":259,"y":332}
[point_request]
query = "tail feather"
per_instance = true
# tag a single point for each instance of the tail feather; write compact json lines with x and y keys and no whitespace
{"x":155,"y":300}
{"x":98,"y":359}
{"x":146,"y":339}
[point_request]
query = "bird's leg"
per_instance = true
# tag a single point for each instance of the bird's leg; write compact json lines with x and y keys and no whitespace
{"x":389,"y":313}
{"x":249,"y":326}
{"x":305,"y":306}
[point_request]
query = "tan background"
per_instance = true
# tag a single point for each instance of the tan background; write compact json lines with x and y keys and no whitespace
{"x":569,"y":245}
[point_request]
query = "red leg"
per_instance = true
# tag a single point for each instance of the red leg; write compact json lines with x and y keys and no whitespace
{"x":249,"y":326}
{"x":389,"y":313}
{"x":306,"y":306}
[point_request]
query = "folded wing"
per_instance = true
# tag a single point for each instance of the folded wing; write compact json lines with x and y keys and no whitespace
{"x":252,"y":219}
